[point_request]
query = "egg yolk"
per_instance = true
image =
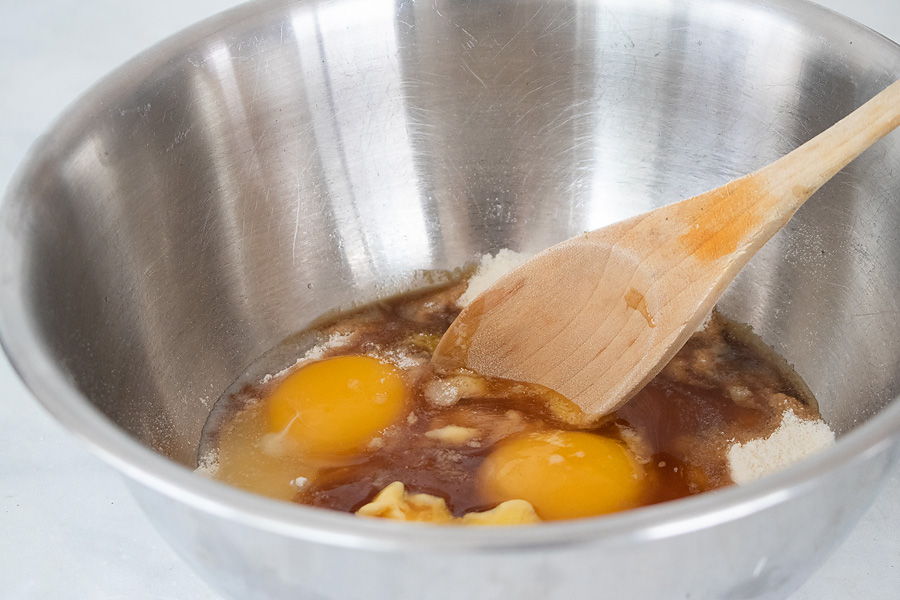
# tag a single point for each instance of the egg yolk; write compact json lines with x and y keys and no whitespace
{"x":563,"y":474}
{"x":337,"y":405}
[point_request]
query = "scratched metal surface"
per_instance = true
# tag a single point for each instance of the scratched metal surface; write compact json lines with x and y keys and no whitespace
{"x":313,"y":155}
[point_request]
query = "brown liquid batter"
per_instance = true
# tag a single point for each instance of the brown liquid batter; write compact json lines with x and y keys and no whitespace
{"x":718,"y":389}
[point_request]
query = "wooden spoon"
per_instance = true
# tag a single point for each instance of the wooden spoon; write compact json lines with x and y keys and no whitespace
{"x":595,"y":317}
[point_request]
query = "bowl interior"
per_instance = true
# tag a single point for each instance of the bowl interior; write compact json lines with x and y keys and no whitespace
{"x":220,"y":193}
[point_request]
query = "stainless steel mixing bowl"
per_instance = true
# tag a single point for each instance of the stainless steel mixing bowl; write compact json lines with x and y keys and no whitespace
{"x":226,"y":187}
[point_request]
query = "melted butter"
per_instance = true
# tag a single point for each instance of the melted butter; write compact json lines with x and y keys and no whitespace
{"x":394,"y":502}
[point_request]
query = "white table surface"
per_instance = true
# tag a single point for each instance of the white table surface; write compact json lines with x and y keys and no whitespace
{"x":68,"y":526}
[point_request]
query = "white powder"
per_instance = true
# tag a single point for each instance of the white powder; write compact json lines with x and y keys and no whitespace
{"x":208,"y":464}
{"x":398,"y":357}
{"x":334,"y":340}
{"x":450,"y":390}
{"x":794,"y":440}
{"x":490,"y":269}
{"x":315,"y":353}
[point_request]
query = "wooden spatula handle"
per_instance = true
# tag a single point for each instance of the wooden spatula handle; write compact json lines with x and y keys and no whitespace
{"x":797,"y":175}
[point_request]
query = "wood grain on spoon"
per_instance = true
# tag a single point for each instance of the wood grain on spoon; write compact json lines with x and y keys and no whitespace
{"x":597,"y":316}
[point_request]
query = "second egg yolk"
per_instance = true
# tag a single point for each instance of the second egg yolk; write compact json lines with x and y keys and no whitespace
{"x":337,"y":405}
{"x":563,"y":474}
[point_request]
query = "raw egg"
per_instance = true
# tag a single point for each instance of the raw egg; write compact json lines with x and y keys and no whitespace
{"x":563,"y":474}
{"x":337,"y":405}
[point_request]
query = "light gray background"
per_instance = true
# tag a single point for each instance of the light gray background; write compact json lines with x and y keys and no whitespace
{"x":68,"y":527}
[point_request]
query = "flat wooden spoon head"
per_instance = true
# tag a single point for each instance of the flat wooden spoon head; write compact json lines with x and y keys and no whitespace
{"x":595,"y":317}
